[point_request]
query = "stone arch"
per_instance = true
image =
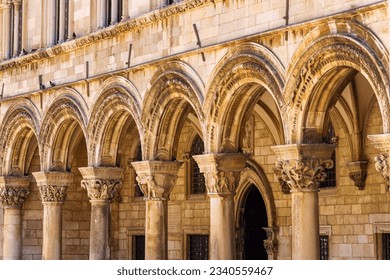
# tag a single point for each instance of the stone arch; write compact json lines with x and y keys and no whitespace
{"x":19,"y":133}
{"x":174,"y":91}
{"x":254,"y":175}
{"x":118,"y":102}
{"x":331,"y":55}
{"x":64,"y":122}
{"x":236,"y":84}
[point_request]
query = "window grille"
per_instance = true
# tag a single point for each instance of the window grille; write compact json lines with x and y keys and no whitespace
{"x":139,"y":247}
{"x":324,"y":247}
{"x":385,"y":246}
{"x":198,"y":185}
{"x":198,"y":247}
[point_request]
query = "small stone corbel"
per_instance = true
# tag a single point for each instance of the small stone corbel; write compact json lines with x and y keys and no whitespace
{"x":358,"y":173}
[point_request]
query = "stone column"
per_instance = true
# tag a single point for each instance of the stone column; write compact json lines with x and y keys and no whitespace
{"x":101,"y":13}
{"x":61,"y":22}
{"x":157,"y":179}
{"x":114,"y":11}
{"x":51,"y":24}
{"x":222,"y":174}
{"x":52,"y":188}
{"x":13,"y":193}
{"x":302,"y":167}
{"x":7,"y":33}
{"x":382,"y":160}
{"x":102,"y":184}
{"x":16,"y":27}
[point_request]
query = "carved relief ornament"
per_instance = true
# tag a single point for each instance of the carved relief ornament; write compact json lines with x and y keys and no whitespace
{"x":157,"y":186}
{"x":222,"y":183}
{"x":382,"y":166}
{"x":303,"y":174}
{"x":53,"y":193}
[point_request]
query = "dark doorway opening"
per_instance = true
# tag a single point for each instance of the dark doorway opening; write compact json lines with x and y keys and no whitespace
{"x":254,"y":219}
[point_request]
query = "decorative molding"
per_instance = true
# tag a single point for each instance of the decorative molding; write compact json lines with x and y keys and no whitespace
{"x":222,"y":183}
{"x":52,"y":193}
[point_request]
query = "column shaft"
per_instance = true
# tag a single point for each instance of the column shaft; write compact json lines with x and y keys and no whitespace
{"x":101,"y":13}
{"x":51,"y":24}
{"x":7,"y":34}
{"x":114,"y":11}
{"x":305,"y":225}
{"x":99,"y":248}
{"x":12,"y":243}
{"x":222,"y":235}
{"x":61,"y":22}
{"x":52,"y":231}
{"x":156,"y":230}
{"x":16,"y":28}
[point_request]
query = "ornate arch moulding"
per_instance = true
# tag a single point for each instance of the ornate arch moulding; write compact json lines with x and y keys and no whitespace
{"x":302,"y":166}
{"x":382,"y":160}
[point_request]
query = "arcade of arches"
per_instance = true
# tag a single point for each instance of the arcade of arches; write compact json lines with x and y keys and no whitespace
{"x":263,"y":147}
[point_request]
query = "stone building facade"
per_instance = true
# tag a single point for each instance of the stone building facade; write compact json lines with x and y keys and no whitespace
{"x":219,"y":129}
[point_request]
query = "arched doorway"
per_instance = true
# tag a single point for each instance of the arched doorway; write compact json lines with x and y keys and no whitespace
{"x":254,"y":219}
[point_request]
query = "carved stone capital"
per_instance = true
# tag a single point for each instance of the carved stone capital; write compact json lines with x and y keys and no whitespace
{"x":382,"y":143}
{"x":221,"y":171}
{"x":101,"y":183}
{"x":382,"y":166}
{"x":53,"y":193}
{"x":302,"y":166}
{"x":53,"y":185}
{"x":13,"y":191}
{"x":271,"y":243}
{"x":156,"y":178}
{"x":358,"y":173}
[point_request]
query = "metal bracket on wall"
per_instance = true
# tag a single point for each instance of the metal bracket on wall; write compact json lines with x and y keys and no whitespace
{"x":198,"y":41}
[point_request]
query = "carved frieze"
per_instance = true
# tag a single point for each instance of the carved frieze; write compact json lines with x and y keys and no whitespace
{"x":222,"y":183}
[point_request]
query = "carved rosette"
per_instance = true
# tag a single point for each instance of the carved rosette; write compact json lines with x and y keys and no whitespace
{"x":382,"y":166}
{"x":101,"y":189}
{"x":303,"y":174}
{"x":12,"y":196}
{"x":53,"y":193}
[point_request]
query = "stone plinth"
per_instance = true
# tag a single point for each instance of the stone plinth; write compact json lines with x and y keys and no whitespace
{"x":52,"y":188}
{"x":302,"y":167}
{"x":102,"y":185}
{"x":13,"y":192}
{"x":156,"y":179}
{"x":222,"y":174}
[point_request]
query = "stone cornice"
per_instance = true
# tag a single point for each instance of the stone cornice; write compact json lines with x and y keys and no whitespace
{"x":157,"y":15}
{"x":380,"y":141}
{"x":53,"y":178}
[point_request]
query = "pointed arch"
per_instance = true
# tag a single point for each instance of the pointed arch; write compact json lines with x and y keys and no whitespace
{"x":240,"y":78}
{"x":19,"y":132}
{"x":64,"y":122}
{"x":118,"y":103}
{"x":174,"y":91}
{"x":329,"y":57}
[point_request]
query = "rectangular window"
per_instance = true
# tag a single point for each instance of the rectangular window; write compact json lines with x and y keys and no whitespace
{"x":138,"y":247}
{"x":198,"y":247}
{"x":324,"y":247}
{"x":385,"y":246}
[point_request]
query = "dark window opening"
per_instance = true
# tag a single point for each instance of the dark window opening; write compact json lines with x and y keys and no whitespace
{"x":330,"y":138}
{"x":138,"y":247}
{"x":138,"y":157}
{"x":324,"y":247}
{"x":198,"y":247}
{"x":385,"y":246}
{"x":198,"y":184}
